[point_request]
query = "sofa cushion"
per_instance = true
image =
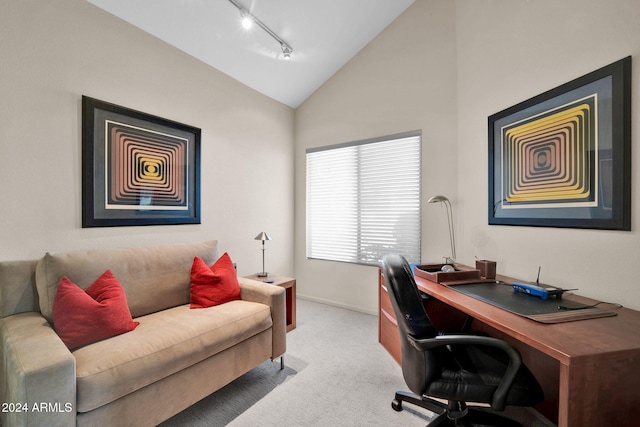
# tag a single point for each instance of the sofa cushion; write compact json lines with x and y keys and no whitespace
{"x":213,"y":285}
{"x":153,"y":277}
{"x":165,"y":342}
{"x":81,"y":317}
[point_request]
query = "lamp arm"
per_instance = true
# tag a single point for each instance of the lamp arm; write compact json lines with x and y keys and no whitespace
{"x":452,"y":238}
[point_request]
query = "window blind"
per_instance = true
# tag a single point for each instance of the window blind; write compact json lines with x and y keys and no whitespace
{"x":364,"y":200}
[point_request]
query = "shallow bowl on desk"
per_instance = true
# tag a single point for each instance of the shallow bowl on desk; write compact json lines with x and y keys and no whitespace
{"x":434,"y":273}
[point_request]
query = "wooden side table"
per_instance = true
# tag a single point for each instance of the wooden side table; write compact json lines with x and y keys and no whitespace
{"x":289,"y":285}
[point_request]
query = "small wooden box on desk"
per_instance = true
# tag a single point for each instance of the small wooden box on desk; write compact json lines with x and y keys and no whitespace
{"x":289,"y":285}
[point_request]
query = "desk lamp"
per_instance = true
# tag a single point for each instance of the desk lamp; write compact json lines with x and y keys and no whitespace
{"x":263,"y":236}
{"x":444,"y":201}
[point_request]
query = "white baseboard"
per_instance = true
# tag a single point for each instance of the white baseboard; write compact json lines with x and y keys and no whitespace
{"x":337,"y":304}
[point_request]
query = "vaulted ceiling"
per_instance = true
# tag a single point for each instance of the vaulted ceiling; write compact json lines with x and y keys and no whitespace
{"x":324,"y":35}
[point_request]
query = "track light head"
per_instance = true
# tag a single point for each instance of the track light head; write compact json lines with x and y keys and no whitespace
{"x":247,"y":21}
{"x":286,"y":50}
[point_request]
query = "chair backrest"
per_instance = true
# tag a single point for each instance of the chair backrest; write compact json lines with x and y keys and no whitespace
{"x":411,"y":315}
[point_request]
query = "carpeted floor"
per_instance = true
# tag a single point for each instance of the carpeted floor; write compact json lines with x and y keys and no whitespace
{"x":336,"y":374}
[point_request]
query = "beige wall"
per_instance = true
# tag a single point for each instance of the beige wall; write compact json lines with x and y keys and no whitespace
{"x":444,"y":67}
{"x":404,"y":80}
{"x":52,"y":53}
{"x":509,"y":51}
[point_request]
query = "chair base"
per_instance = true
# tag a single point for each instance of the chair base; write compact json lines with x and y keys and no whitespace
{"x":453,"y":414}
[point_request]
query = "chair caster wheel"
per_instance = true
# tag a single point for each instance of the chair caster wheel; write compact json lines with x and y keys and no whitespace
{"x":396,"y":405}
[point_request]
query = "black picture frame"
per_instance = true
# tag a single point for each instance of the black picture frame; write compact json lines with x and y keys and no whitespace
{"x":563,"y":158}
{"x":137,"y":169}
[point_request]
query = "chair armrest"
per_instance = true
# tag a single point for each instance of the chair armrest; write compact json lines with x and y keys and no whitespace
{"x":515,"y":360}
{"x":274,"y":297}
{"x":38,"y":373}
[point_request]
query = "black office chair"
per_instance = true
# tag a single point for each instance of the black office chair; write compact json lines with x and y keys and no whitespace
{"x":458,"y":368}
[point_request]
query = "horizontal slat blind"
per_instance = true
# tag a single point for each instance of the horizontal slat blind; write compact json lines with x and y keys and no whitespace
{"x":363,"y":200}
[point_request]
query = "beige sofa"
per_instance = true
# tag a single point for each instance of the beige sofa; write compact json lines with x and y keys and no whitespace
{"x":175,"y":357}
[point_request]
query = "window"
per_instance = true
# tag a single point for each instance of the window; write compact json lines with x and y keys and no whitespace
{"x":363,"y":200}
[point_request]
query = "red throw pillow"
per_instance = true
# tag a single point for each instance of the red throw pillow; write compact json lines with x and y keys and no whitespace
{"x":81,"y":317}
{"x":213,"y":285}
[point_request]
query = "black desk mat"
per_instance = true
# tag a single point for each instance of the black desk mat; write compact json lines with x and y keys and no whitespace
{"x":501,"y":295}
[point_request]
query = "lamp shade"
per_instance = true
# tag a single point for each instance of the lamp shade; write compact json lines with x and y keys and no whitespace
{"x":436,"y":199}
{"x":263,"y":236}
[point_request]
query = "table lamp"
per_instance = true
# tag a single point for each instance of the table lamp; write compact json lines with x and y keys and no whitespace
{"x":444,"y":201}
{"x":263,"y":236}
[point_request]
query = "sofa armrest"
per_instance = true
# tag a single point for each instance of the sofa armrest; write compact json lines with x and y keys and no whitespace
{"x":38,"y":374}
{"x":18,"y":287}
{"x":274,"y":297}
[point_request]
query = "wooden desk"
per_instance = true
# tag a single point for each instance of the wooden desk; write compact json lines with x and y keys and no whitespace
{"x":589,"y":369}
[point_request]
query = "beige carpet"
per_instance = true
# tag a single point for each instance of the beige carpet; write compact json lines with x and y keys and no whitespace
{"x":336,"y":375}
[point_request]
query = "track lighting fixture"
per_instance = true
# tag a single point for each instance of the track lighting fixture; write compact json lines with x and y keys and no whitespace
{"x":247,"y":21}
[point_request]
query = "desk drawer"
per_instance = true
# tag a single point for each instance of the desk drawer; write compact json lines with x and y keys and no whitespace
{"x":387,"y":327}
{"x":389,"y":336}
{"x":385,"y":302}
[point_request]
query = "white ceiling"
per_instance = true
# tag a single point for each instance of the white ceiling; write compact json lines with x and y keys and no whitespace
{"x":324,"y":35}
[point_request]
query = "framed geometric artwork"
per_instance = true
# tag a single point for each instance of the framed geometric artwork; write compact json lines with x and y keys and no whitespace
{"x":137,"y":169}
{"x":563,"y":158}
